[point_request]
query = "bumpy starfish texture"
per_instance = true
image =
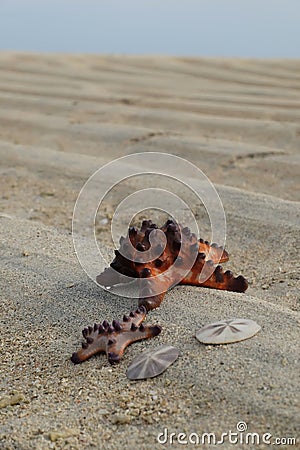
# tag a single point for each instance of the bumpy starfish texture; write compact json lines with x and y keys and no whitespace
{"x":114,"y":338}
{"x":171,"y":246}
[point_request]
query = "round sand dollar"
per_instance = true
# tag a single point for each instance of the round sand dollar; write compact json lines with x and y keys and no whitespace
{"x":227,"y":331}
{"x":152,"y":362}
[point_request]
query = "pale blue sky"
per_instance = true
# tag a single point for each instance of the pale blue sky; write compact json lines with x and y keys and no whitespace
{"x":247,"y":28}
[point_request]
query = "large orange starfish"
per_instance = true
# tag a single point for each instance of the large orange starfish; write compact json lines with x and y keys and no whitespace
{"x":173,"y":256}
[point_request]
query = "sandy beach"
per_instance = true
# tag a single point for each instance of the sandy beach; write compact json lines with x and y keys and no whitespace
{"x":61,"y":118}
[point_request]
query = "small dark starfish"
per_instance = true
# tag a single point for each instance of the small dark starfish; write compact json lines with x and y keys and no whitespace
{"x":113,"y":339}
{"x":170,"y":246}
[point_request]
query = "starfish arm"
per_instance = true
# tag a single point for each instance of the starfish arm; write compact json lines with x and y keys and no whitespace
{"x":135,"y":317}
{"x":217,"y":280}
{"x":151,"y":302}
{"x":94,"y":344}
{"x":154,"y":287}
{"x":213,"y":251}
{"x":116,"y":346}
{"x":110,"y":277}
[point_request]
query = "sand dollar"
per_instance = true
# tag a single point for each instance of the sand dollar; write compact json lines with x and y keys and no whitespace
{"x":227,"y":331}
{"x":152,"y":362}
